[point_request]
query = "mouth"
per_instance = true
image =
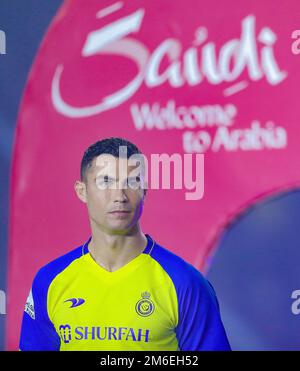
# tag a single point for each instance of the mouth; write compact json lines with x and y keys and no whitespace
{"x":120,"y":213}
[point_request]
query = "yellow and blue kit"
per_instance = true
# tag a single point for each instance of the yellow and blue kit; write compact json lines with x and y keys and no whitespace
{"x":157,"y":301}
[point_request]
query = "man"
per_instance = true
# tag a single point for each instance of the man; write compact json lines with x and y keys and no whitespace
{"x":120,"y":290}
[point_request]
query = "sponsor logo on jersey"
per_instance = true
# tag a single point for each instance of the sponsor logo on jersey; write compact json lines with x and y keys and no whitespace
{"x":144,"y":307}
{"x":67,"y":333}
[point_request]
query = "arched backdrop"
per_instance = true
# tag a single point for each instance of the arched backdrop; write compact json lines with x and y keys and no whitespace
{"x":202,"y":77}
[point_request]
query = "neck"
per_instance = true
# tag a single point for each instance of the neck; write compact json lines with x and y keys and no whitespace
{"x":112,"y":251}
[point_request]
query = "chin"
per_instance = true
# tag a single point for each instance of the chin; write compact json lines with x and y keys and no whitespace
{"x":119,"y":226}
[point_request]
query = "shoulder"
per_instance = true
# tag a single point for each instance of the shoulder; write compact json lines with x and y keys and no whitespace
{"x":182,"y":273}
{"x":190,"y":284}
{"x":46,"y":274}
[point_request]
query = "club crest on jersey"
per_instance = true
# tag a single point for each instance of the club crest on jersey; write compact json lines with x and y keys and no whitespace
{"x":144,"y":307}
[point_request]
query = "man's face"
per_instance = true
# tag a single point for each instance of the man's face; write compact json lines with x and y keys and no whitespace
{"x":113,"y":192}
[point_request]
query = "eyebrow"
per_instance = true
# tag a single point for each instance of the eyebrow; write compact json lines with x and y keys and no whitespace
{"x":111,"y":178}
{"x":104,"y":176}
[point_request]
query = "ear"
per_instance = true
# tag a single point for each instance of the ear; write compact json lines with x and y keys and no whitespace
{"x":145,"y":193}
{"x":80,"y":189}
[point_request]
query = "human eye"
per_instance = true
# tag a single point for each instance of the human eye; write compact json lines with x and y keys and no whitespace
{"x":134,"y":182}
{"x":103,"y":182}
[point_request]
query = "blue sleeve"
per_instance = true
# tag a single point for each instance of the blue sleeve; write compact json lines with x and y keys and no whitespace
{"x":37,"y":331}
{"x":199,"y":322}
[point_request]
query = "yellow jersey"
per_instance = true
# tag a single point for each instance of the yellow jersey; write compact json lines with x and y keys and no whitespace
{"x":157,"y":301}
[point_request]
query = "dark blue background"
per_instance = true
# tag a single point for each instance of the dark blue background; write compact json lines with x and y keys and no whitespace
{"x":255,"y":271}
{"x":255,"y":268}
{"x":24,"y":23}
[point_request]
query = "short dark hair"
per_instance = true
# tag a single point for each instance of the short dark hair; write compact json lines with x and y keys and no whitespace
{"x":106,"y":146}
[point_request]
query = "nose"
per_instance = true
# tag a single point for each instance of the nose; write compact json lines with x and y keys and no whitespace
{"x":120,"y":196}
